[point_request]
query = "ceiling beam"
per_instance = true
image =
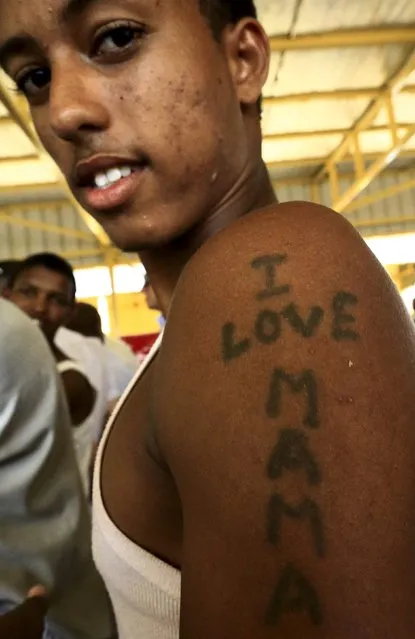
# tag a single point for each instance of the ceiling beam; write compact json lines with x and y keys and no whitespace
{"x":17,"y":158}
{"x":343,"y":200}
{"x":42,"y":226}
{"x":382,"y":222}
{"x":395,"y":84}
{"x":308,"y":162}
{"x":51,"y":205}
{"x":31,"y":192}
{"x":345,"y":38}
{"x":295,"y":135}
{"x":82,"y":253}
{"x":382,"y":194}
{"x":338,"y":94}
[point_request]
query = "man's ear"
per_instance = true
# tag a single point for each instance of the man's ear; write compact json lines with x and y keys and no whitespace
{"x":248,"y":53}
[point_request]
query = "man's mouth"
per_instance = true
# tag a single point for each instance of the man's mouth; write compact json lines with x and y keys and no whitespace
{"x":103,"y":180}
{"x":108,"y":182}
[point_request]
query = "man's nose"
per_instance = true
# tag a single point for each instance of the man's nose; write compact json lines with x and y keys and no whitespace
{"x":75,"y":107}
{"x":39,"y":307}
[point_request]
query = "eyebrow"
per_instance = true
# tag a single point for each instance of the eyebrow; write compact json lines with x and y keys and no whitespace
{"x":17,"y":45}
{"x":73,"y":9}
{"x":22,"y":42}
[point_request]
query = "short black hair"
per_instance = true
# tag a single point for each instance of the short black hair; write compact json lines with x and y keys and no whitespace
{"x":49,"y":261}
{"x":221,"y":13}
{"x":7,"y":269}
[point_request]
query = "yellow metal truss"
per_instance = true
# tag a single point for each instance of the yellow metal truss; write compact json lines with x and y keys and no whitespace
{"x":345,"y":38}
{"x":350,"y":144}
{"x":380,"y":195}
{"x":13,"y":220}
{"x":320,"y":133}
{"x":336,"y":95}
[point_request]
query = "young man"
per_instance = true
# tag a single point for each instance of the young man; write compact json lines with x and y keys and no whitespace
{"x":43,"y":286}
{"x":44,"y":520}
{"x":259,"y":479}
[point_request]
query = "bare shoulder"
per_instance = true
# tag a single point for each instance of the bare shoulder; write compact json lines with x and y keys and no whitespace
{"x":284,"y":399}
{"x":303,"y":234}
{"x":280,"y":259}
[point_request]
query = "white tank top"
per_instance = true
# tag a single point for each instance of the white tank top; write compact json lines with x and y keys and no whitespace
{"x":144,"y":591}
{"x":83,"y":435}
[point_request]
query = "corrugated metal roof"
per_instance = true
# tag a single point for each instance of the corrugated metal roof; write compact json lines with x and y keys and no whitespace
{"x":391,"y":215}
{"x":17,"y":242}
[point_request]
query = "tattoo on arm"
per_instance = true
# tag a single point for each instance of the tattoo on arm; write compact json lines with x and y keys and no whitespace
{"x":294,"y":593}
{"x":269,"y":263}
{"x":292,"y":452}
{"x":341,"y":319}
{"x":307,"y":509}
{"x":305,"y":327}
{"x":304,"y":383}
{"x":268,"y":327}
{"x":231,"y":348}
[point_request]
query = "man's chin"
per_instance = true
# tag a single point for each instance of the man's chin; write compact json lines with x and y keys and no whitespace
{"x":136,"y":240}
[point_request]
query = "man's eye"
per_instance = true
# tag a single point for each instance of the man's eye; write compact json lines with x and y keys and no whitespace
{"x":59,"y":301}
{"x":27,"y":292}
{"x":33,"y":81}
{"x":117,"y":39}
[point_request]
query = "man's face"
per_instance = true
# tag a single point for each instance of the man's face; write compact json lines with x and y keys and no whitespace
{"x":135,"y":101}
{"x":45,"y":296}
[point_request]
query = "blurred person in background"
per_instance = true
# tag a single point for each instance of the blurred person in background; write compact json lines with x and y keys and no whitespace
{"x":113,"y":355}
{"x":43,"y":286}
{"x":120,"y":361}
{"x":45,"y":528}
{"x":87,"y":350}
{"x":7,"y":269}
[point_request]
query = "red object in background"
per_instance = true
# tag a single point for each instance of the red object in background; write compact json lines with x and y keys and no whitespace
{"x":141,"y":344}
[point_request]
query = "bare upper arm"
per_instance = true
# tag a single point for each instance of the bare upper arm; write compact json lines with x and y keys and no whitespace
{"x":80,"y":395}
{"x":284,"y":399}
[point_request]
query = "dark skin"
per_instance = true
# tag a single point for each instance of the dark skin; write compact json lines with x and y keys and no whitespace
{"x":151,"y":299}
{"x":46,"y":296}
{"x":86,"y":321}
{"x":268,"y":450}
{"x":26,"y":621}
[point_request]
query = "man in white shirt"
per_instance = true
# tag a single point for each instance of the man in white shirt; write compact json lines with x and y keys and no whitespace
{"x":45,"y":528}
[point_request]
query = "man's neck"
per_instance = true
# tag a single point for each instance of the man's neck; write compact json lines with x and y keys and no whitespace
{"x":252,"y":192}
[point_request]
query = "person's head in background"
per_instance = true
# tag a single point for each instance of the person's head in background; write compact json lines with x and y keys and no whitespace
{"x":150,"y":296}
{"x":7,"y":268}
{"x":43,"y":286}
{"x":86,"y":321}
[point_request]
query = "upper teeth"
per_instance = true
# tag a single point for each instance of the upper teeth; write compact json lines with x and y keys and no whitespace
{"x":102,"y":180}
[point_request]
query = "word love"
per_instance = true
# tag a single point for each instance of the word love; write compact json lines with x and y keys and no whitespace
{"x":268,"y":326}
